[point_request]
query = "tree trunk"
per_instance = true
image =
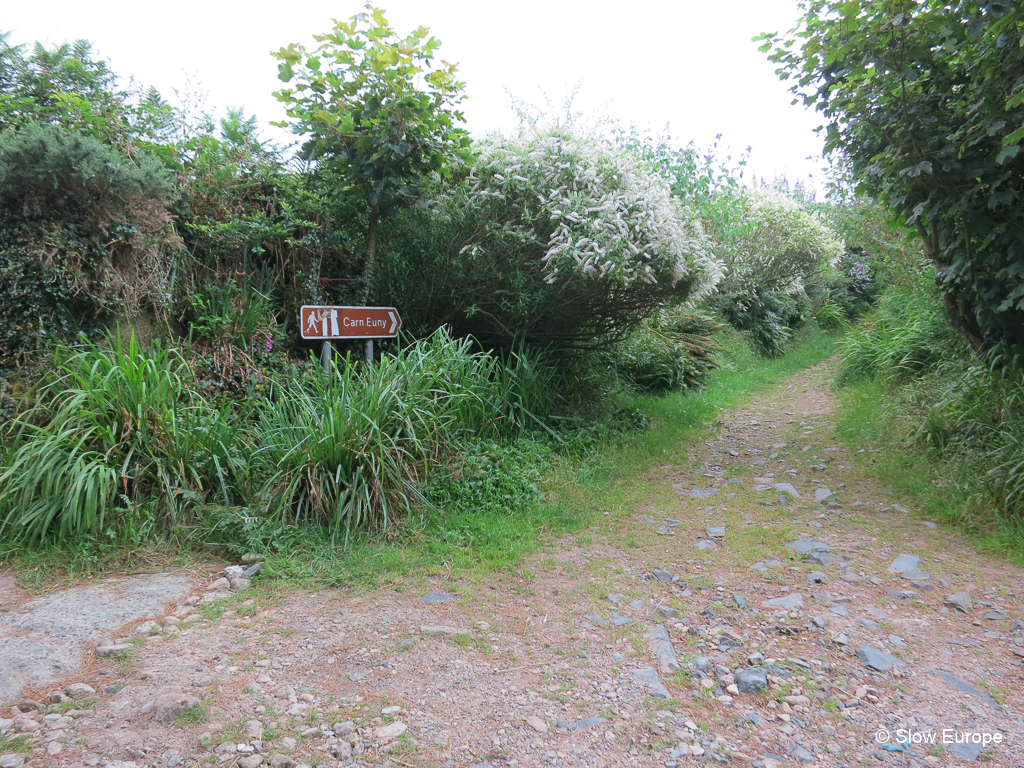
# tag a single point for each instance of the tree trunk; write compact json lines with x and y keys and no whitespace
{"x":371,"y":248}
{"x":960,"y":313}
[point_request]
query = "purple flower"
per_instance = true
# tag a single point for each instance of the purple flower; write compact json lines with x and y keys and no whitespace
{"x":270,"y":343}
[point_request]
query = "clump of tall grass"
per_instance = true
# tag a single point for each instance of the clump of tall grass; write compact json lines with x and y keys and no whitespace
{"x":109,"y":427}
{"x":907,"y":334}
{"x":348,"y":450}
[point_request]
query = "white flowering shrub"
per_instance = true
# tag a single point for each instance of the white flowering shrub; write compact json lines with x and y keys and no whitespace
{"x":775,"y":247}
{"x":600,"y":211}
{"x":778,"y":246}
{"x":551,"y":237}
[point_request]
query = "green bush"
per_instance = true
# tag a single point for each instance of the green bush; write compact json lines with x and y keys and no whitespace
{"x":667,"y":352}
{"x":490,"y":478}
{"x":767,"y":320}
{"x":109,"y":429}
{"x":84,"y":231}
{"x":552,"y":238}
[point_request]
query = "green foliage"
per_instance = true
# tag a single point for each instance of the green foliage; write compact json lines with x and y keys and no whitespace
{"x":667,"y":352}
{"x":112,"y":428}
{"x":64,"y":86}
{"x":346,"y":450}
{"x":552,"y":239}
{"x":378,"y":113}
{"x":926,"y":100}
{"x":701,"y":179}
{"x":831,"y":316}
{"x":86,"y":232}
{"x":767,"y":320}
{"x":491,"y":478}
{"x":909,"y":333}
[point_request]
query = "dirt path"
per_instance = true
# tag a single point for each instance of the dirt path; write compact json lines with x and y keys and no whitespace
{"x":828,"y":652}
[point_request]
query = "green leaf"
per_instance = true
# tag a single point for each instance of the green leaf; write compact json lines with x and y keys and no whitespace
{"x":1007,"y":153}
{"x":1014,"y":138}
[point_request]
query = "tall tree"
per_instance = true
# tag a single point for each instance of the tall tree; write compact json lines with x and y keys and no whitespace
{"x":926,"y":99}
{"x":377,"y":112}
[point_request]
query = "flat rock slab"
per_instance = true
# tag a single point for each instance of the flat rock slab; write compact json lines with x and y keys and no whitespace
{"x":904,"y":563}
{"x":875,"y":659}
{"x":662,"y":649}
{"x":702,"y":493}
{"x":789,"y":602}
{"x":53,"y":632}
{"x":436,"y":597}
{"x":787,"y":488}
{"x":803,"y":546}
{"x":963,"y":686}
{"x":649,"y":677}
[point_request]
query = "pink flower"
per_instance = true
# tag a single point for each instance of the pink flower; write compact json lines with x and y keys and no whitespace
{"x":270,"y":343}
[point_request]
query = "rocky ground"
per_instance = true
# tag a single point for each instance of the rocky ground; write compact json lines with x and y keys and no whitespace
{"x":764,"y":604}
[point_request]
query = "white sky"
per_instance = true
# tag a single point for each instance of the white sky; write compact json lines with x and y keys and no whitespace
{"x":687,"y":63}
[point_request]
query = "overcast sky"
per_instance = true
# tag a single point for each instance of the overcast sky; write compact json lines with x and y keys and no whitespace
{"x":684,"y":63}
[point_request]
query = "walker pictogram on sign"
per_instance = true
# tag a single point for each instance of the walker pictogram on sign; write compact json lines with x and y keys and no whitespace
{"x":349,"y":322}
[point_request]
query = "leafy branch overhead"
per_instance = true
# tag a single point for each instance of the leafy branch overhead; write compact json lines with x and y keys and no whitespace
{"x":927,"y":102}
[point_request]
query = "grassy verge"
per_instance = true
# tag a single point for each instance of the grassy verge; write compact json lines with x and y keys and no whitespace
{"x":874,"y":418}
{"x":433,"y":545}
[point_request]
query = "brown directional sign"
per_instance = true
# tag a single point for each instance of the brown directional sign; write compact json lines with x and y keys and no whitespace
{"x":349,"y":322}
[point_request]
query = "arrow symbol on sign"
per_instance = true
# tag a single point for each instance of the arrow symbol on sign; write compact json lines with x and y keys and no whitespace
{"x":394,"y":322}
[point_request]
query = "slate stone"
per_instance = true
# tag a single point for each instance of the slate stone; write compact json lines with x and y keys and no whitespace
{"x":742,"y":603}
{"x":754,"y":718}
{"x":801,"y":754}
{"x":840,"y":610}
{"x":788,"y":489}
{"x":994,"y":616}
{"x":589,"y":722}
{"x":661,"y":648}
{"x":703,"y":493}
{"x":715,"y":532}
{"x":826,"y":559}
{"x":793,"y":601}
{"x":705,"y":544}
{"x":901,"y":594}
{"x":751,"y":680}
{"x":875,"y":659}
{"x":919,"y":575}
{"x":650,"y":678}
{"x":969,"y":751}
{"x":596,"y":619}
{"x":759,"y":566}
{"x":803,"y":546}
{"x":899,"y":508}
{"x":620,"y":621}
{"x":648,"y":521}
{"x":903,"y":563}
{"x":662,"y":575}
{"x":616,"y":599}
{"x":867,"y":624}
{"x":817,"y":577}
{"x":437,"y":597}
{"x":665,"y":612}
{"x":637,"y":604}
{"x":702,"y":663}
{"x":823,"y":494}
